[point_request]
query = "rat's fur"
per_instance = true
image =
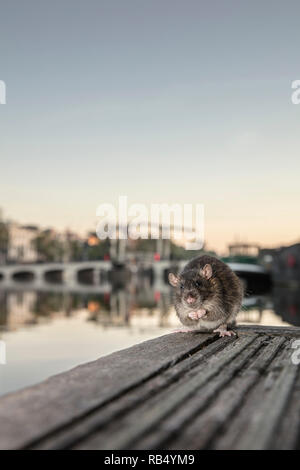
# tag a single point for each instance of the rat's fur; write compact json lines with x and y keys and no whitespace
{"x":214,"y":287}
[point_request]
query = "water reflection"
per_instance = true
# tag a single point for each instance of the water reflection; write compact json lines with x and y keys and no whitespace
{"x":49,"y":331}
{"x":124,"y":306}
{"x":116,"y":307}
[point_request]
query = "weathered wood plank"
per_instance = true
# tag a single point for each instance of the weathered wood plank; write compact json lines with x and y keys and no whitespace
{"x":260,"y":430}
{"x":292,"y":331}
{"x":254,"y":417}
{"x":174,"y":426}
{"x":78,"y":431}
{"x":177,"y":391}
{"x":144,"y":419}
{"x":27,"y":415}
{"x":287,"y":436}
{"x":199,"y":434}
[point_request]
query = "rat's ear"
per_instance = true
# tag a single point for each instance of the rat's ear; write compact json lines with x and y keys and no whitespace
{"x":173,"y":280}
{"x":206,"y":271}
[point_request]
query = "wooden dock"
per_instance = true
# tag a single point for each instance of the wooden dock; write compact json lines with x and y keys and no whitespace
{"x":179,"y":391}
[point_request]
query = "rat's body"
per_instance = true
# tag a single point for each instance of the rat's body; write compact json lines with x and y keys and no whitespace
{"x":208,"y":295}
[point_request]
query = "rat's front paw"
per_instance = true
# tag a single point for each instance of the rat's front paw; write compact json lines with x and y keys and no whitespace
{"x":197,"y":314}
{"x":193,"y":315}
{"x":224,"y":332}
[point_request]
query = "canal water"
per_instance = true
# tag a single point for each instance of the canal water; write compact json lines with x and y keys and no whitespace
{"x":51,"y":330}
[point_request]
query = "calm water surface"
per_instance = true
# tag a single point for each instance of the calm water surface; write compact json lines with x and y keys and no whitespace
{"x":49,"y":331}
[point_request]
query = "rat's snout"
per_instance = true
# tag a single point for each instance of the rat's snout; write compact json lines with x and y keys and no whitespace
{"x":190,"y":299}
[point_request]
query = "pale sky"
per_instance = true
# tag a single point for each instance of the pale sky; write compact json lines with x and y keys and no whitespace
{"x":160,"y":100}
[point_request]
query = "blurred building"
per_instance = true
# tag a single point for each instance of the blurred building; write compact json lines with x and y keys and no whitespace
{"x":286,"y":264}
{"x":21,"y":246}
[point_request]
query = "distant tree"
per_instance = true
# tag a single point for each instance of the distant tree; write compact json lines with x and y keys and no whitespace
{"x":4,"y":239}
{"x":75,"y":250}
{"x":147,"y":245}
{"x":178,"y":252}
{"x":96,"y":249}
{"x":48,"y":247}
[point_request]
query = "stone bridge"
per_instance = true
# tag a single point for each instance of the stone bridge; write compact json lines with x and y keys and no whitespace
{"x":67,"y":272}
{"x":69,"y":275}
{"x":72,"y":274}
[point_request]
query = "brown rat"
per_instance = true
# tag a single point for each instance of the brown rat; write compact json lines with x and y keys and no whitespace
{"x":208,"y":295}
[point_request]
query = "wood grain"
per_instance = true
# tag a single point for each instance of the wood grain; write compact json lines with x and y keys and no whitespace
{"x":178,"y":391}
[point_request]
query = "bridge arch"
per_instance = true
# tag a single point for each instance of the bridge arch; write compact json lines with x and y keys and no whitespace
{"x":23,"y":276}
{"x":85,"y":275}
{"x":53,"y":276}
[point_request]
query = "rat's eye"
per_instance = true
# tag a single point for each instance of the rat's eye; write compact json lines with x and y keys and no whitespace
{"x":181,"y":286}
{"x":198,"y":283}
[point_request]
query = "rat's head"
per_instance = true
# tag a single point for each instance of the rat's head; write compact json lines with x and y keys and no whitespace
{"x":193,"y":287}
